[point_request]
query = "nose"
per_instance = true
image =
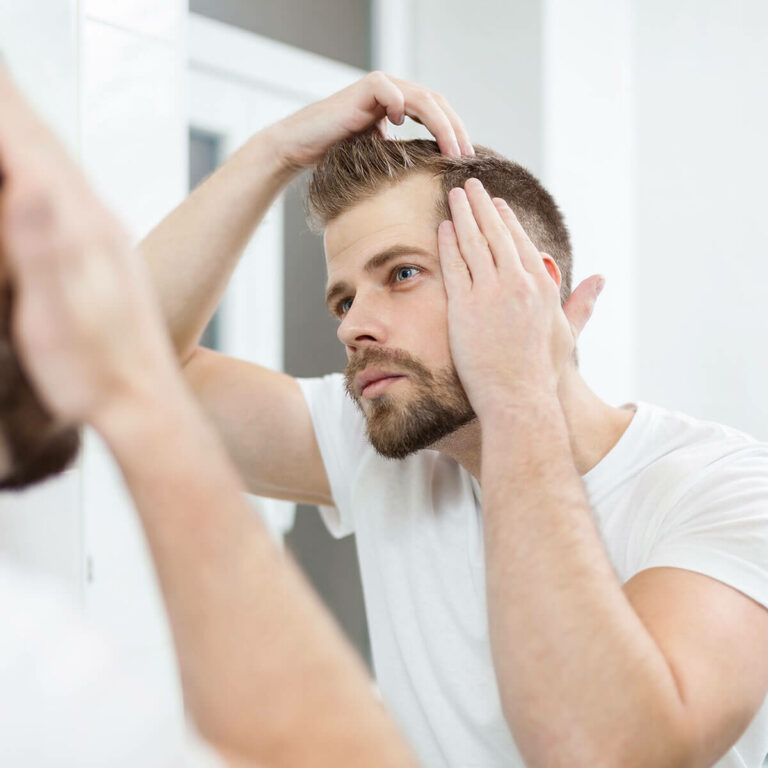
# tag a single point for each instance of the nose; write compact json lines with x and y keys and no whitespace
{"x":364,"y":324}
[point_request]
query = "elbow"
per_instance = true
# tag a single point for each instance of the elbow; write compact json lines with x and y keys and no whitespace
{"x":185,"y":355}
{"x":658,"y":742}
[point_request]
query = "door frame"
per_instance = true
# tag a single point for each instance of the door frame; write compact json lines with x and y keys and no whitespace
{"x":238,"y":83}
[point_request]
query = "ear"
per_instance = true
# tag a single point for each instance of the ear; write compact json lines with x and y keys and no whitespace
{"x":551,"y":266}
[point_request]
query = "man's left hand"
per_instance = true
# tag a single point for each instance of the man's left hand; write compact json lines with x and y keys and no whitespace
{"x":510,"y":336}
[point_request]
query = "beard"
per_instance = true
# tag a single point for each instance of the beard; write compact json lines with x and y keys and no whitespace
{"x":398,"y":426}
{"x":38,"y":447}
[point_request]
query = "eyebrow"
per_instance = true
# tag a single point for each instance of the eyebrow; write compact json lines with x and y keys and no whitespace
{"x":374,"y":263}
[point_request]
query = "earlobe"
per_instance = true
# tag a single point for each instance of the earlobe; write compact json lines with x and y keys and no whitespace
{"x":551,"y":266}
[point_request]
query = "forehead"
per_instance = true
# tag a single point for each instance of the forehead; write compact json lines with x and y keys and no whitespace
{"x":402,"y":213}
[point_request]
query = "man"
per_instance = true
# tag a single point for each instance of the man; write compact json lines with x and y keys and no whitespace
{"x":266,"y":677}
{"x":548,"y":579}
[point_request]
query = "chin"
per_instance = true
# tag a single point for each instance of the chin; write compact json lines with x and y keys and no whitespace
{"x":397,"y":430}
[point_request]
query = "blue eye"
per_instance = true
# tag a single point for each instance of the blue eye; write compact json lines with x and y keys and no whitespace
{"x":343,"y":306}
{"x":400,"y":270}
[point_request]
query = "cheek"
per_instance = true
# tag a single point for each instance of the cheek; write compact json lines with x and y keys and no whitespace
{"x":429,"y":330}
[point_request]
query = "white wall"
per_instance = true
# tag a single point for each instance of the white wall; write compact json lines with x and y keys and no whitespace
{"x":109,"y":77}
{"x":588,"y":167}
{"x":42,"y":527}
{"x":702,"y":230}
{"x":50,"y":81}
{"x":647,"y":120}
{"x":486,"y":58}
{"x":134,"y":148}
{"x":542,"y":83}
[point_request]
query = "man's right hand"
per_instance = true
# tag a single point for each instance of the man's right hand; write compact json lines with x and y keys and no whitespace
{"x":303,"y":137}
{"x":261,"y":414}
{"x":84,"y":318}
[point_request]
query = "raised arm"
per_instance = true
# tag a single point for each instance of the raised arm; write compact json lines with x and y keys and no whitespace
{"x":590,"y":671}
{"x":194,"y":250}
{"x":260,"y":414}
{"x":265,"y":673}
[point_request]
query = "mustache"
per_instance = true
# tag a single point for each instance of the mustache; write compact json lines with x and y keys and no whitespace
{"x":394,"y":358}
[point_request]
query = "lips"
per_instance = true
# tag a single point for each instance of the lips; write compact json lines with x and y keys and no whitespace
{"x":371,"y":376}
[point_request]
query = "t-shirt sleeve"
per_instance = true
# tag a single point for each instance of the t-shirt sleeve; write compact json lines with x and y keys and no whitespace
{"x":340,"y":432}
{"x":719,"y":526}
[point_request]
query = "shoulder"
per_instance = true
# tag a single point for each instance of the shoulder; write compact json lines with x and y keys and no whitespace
{"x":685,"y":453}
{"x":712,"y":516}
{"x":338,"y":422}
{"x":327,"y":396}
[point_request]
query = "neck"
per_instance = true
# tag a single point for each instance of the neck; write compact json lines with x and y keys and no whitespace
{"x":594,"y":427}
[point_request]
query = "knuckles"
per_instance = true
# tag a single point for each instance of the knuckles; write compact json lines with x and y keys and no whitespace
{"x":478,"y":242}
{"x":30,"y":207}
{"x":523,"y":294}
{"x":377,"y":77}
{"x":62,"y":223}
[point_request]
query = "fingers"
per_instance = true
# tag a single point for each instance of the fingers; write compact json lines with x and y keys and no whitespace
{"x":438,"y":117}
{"x":388,"y":95}
{"x":462,"y":135}
{"x":421,"y":105}
{"x":455,"y":273}
{"x":382,"y":128}
{"x":581,"y":303}
{"x":398,"y":98}
{"x":28,"y":228}
{"x":472,"y":243}
{"x":527,"y":251}
{"x":18,"y":121}
{"x":12,"y":114}
{"x":492,"y":226}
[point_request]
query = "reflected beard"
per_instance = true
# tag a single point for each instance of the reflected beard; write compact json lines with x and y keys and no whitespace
{"x":38,"y":447}
{"x":397,"y":427}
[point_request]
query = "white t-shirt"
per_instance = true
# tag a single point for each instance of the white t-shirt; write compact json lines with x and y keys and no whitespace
{"x":67,"y":699}
{"x":673,"y":491}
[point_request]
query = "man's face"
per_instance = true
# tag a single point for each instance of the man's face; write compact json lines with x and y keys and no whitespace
{"x":393,"y":312}
{"x":32,"y":445}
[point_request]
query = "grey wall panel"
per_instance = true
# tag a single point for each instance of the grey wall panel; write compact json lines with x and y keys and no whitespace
{"x":312,"y":349}
{"x":339,"y":29}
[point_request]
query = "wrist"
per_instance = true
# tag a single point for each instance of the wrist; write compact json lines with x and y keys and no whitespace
{"x":516,"y":403}
{"x":140,"y":411}
{"x":271,"y":153}
{"x":158,"y":434}
{"x":524,"y":430}
{"x":275,"y":152}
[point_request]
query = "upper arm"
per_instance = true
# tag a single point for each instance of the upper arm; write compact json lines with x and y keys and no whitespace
{"x":265,"y":423}
{"x":715,"y":640}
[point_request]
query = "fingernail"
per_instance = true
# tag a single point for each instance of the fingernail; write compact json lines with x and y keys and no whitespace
{"x":600,"y":286}
{"x":474,"y":182}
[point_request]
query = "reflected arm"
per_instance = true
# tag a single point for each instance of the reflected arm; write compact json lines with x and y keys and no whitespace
{"x":193,"y":252}
{"x":265,"y":672}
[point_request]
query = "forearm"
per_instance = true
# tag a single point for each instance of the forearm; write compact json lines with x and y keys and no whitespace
{"x":265,"y":672}
{"x":582,"y":681}
{"x":194,"y":250}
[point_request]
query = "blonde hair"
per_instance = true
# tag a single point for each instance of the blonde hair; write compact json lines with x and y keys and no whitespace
{"x":359,"y":168}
